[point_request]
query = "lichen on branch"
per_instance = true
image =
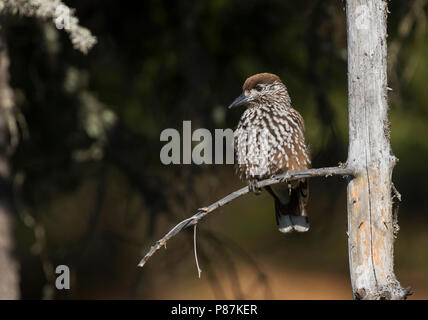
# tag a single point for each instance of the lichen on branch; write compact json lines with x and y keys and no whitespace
{"x":61,"y":15}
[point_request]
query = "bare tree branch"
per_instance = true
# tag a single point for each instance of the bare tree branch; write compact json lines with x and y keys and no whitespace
{"x":202,"y":212}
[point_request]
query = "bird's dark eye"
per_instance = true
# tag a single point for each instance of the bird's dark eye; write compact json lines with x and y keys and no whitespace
{"x":259,"y":88}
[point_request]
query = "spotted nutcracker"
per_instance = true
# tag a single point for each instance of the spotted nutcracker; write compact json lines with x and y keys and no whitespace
{"x":270,"y":140}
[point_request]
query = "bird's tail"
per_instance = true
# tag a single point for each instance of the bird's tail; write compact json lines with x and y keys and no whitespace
{"x":290,"y":206}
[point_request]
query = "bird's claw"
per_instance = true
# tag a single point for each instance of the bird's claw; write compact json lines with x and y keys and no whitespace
{"x":284,"y":178}
{"x":253,"y":186}
{"x":204,"y":209}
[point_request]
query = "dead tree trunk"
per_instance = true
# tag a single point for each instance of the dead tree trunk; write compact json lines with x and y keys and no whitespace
{"x":370,"y":217}
{"x":9,"y":279}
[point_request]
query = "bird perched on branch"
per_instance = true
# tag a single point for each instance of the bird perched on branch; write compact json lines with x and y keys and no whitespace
{"x":270,"y":140}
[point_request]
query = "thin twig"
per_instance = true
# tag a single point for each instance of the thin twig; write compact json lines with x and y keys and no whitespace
{"x":196,"y":253}
{"x":202,"y":212}
{"x":396,"y":194}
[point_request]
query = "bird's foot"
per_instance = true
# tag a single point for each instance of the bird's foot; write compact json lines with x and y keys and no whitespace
{"x":253,"y":186}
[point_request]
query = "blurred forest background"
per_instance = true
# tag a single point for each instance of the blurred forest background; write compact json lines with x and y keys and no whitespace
{"x":89,"y":190}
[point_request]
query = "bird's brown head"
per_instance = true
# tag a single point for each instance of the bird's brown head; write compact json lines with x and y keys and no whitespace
{"x":261,"y":89}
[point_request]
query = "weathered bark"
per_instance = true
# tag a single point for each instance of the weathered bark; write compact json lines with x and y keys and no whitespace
{"x":370,"y":218}
{"x":9,"y":280}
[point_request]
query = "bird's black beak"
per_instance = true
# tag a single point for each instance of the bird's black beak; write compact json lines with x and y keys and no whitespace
{"x":242,"y":100}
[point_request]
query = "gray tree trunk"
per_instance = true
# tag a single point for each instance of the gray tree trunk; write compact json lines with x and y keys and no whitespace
{"x":9,"y":279}
{"x":370,"y":217}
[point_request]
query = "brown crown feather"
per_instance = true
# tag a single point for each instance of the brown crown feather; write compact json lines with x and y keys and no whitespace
{"x":256,"y":79}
